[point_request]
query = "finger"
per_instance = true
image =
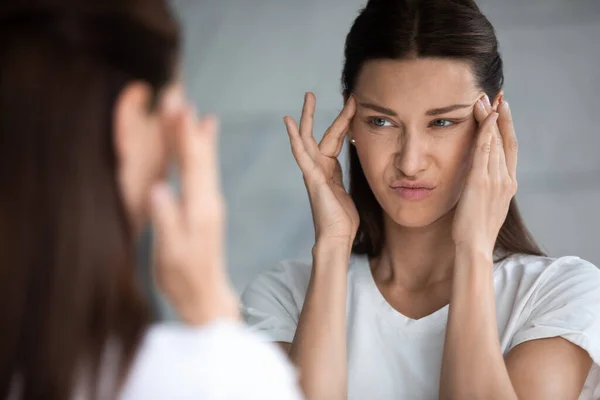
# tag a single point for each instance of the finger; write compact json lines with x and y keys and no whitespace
{"x":507,"y":130}
{"x":497,"y":101}
{"x":166,"y":219}
{"x":486,"y":103}
{"x":200,"y":171}
{"x":340,"y":145}
{"x":173,"y":100}
{"x":303,"y":159}
{"x":501,"y":166}
{"x":494,"y":161}
{"x":332,"y":141}
{"x":191,"y":152}
{"x":171,"y":109}
{"x":208,"y":161}
{"x":492,"y":108}
{"x":306,"y":124}
{"x":479,"y":111}
{"x":483,"y":146}
{"x":206,"y":209}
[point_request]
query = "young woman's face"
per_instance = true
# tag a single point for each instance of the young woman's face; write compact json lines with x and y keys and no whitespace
{"x":414,"y":132}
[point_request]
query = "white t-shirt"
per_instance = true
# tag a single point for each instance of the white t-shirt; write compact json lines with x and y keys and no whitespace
{"x":391,"y":356}
{"x":222,"y":361}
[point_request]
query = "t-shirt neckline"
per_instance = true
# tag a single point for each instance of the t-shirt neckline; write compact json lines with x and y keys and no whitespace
{"x":432,"y":323}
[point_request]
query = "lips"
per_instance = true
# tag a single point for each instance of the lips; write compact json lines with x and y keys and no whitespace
{"x":412,"y":190}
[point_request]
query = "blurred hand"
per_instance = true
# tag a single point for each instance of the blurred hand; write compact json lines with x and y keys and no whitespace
{"x":190,"y":230}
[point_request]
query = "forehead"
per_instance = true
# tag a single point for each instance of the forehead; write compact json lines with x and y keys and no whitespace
{"x":417,"y":83}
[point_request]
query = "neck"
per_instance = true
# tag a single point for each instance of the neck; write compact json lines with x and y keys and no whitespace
{"x":417,"y":258}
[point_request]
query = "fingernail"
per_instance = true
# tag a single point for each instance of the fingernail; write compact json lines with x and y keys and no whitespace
{"x":479,"y":105}
{"x":487,"y":100}
{"x":504,"y":106}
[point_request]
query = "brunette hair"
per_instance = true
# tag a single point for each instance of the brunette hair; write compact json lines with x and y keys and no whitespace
{"x":404,"y":29}
{"x":68,"y":279}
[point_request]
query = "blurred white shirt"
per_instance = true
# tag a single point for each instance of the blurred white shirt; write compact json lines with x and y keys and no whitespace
{"x":221,"y":361}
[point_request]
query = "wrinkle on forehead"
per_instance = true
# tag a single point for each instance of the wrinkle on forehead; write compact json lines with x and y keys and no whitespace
{"x":417,"y":85}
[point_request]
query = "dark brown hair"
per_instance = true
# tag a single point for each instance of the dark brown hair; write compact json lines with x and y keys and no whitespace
{"x":401,"y":29}
{"x":68,"y":284}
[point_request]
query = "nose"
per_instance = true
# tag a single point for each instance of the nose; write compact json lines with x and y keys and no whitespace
{"x":411,"y":157}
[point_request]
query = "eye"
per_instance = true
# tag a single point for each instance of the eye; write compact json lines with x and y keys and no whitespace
{"x":379,"y":122}
{"x":442,"y":123}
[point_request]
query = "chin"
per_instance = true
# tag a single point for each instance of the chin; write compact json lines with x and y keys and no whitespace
{"x":411,"y":218}
{"x":413,"y":221}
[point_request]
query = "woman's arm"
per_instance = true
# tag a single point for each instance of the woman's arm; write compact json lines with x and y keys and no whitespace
{"x":548,"y":368}
{"x":214,"y":356}
{"x":473,"y":365}
{"x":319,"y":347}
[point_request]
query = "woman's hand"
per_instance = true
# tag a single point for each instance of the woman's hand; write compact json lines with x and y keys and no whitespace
{"x":190,"y":231}
{"x":334,"y":214}
{"x":491,"y":183}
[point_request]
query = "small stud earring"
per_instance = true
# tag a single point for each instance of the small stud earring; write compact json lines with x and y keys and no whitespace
{"x":353,"y":141}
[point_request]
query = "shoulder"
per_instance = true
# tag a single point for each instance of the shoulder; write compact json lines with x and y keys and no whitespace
{"x":288,"y":280}
{"x":271,"y":304}
{"x":295,"y":273}
{"x":291,"y":278}
{"x":545,"y":270}
{"x":560,"y":298}
{"x":551,"y":281}
{"x":221,"y":360}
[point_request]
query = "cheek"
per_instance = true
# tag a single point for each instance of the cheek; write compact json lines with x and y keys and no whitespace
{"x":374,"y":153}
{"x":458,"y":155}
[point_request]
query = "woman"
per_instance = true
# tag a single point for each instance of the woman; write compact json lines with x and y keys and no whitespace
{"x":424,"y":282}
{"x":90,"y":109}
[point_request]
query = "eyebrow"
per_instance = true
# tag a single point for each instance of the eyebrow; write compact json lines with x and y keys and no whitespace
{"x":444,"y":110}
{"x":432,"y":112}
{"x":383,"y":110}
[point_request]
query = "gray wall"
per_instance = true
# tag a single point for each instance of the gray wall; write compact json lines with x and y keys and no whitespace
{"x":252,"y":61}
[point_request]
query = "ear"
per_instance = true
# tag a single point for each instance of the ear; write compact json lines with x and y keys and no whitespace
{"x":131,"y":115}
{"x":497,"y":100}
